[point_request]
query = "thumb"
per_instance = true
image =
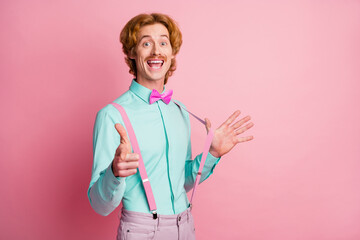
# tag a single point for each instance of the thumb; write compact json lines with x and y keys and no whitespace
{"x":207,"y":124}
{"x":122,"y":132}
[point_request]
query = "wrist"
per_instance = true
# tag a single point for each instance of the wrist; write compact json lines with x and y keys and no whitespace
{"x":214,"y":153}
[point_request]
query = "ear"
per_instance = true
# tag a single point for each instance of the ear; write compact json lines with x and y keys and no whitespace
{"x":132,"y":54}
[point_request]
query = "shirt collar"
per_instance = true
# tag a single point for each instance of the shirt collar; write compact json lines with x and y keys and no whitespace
{"x":141,"y":91}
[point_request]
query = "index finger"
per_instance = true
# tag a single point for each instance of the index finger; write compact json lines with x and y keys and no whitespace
{"x":122,"y":132}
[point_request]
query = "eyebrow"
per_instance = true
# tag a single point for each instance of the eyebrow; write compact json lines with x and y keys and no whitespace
{"x":150,"y":36}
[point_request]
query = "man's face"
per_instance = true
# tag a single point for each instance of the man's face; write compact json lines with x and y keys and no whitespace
{"x":153,"y":52}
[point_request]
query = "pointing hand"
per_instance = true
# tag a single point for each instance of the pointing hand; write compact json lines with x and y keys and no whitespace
{"x":125,"y":163}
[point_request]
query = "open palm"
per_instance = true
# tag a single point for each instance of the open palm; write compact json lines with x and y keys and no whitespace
{"x":228,"y":135}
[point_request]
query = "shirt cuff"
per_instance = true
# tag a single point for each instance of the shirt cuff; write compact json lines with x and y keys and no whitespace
{"x":211,"y":160}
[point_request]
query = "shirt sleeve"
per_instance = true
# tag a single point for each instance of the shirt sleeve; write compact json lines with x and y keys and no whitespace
{"x":105,"y":190}
{"x":192,"y":166}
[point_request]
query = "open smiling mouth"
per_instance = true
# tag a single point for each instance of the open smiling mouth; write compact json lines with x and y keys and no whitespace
{"x":155,"y":64}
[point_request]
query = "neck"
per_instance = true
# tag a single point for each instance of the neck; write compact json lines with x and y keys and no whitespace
{"x":158,"y":85}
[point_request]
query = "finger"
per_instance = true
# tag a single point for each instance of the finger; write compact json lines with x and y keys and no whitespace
{"x":127,"y":165}
{"x":132,"y":157}
{"x":243,"y":129}
{"x":126,"y":154}
{"x":123,"y":135}
{"x":127,"y":157}
{"x":245,"y":139}
{"x":207,"y":124}
{"x":240,"y":122}
{"x":231,"y":118}
{"x":126,"y":173}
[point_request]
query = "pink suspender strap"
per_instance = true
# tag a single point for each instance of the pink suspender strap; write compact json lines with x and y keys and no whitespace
{"x":142,"y":170}
{"x":206,"y":148}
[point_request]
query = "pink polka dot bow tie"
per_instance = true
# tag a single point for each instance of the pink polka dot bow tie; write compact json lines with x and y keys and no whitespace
{"x":155,"y":96}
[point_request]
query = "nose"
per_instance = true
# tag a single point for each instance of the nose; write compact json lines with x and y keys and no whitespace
{"x":155,"y":50}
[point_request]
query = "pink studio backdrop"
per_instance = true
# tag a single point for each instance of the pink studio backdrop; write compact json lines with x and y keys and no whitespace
{"x":293,"y":66}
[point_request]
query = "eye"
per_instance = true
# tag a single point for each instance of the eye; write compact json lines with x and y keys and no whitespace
{"x":146,"y":44}
{"x":163,"y":43}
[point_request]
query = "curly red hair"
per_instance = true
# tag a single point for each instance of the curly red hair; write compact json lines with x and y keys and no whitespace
{"x":128,"y":38}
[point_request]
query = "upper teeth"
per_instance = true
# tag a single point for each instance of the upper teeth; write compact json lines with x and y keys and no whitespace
{"x":156,"y":61}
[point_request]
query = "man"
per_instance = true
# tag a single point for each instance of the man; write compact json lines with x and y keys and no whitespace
{"x":150,"y":43}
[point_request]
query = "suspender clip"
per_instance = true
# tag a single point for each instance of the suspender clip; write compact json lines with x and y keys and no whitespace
{"x":154,"y":214}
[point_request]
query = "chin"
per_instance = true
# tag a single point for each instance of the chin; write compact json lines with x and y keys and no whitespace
{"x":157,"y":76}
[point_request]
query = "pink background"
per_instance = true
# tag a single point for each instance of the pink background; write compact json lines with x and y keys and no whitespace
{"x":294,"y":67}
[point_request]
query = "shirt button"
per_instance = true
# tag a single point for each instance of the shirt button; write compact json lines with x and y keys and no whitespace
{"x":179,"y":218}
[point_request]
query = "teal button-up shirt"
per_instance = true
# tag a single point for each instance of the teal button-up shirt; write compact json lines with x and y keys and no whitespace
{"x":163,"y":134}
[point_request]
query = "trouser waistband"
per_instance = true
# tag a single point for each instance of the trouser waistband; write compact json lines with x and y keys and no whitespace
{"x":162,"y":220}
